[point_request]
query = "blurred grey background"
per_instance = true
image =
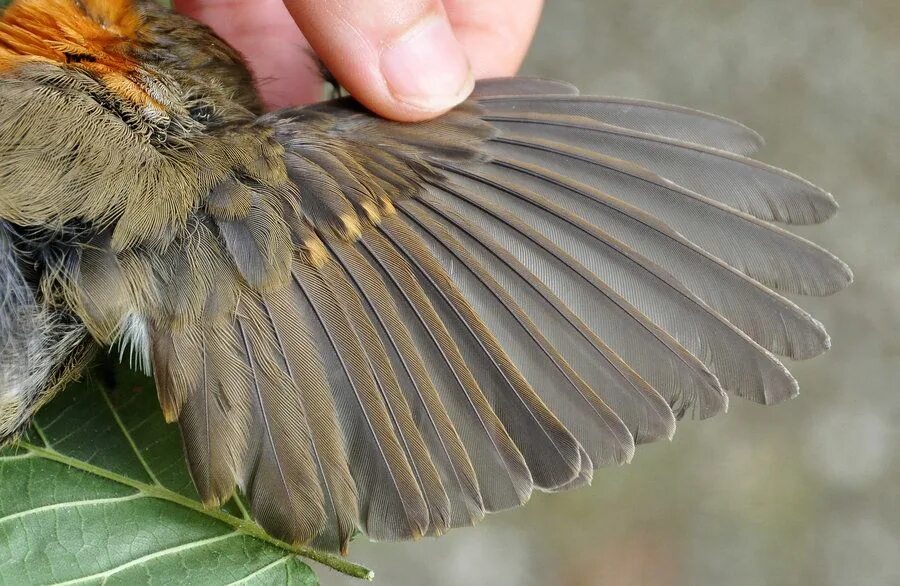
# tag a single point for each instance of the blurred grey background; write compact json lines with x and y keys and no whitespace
{"x":803,"y":493}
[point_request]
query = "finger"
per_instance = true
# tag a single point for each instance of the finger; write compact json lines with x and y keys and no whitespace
{"x":495,"y":33}
{"x":273,"y":46}
{"x":399,"y":58}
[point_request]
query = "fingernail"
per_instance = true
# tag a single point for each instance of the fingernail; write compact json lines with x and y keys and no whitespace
{"x":427,"y":68}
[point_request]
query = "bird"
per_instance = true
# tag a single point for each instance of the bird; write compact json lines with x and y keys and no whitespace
{"x":367,"y":325}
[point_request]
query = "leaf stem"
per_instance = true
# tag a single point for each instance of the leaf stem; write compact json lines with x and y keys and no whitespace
{"x":247,"y":527}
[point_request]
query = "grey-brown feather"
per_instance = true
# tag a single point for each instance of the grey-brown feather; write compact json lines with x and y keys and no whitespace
{"x":594,"y":361}
{"x":514,"y":233}
{"x":600,"y":432}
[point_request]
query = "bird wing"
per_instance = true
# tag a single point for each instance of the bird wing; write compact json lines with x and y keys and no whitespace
{"x":429,"y":321}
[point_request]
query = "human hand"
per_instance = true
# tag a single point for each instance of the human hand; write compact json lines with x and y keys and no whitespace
{"x":404,"y":59}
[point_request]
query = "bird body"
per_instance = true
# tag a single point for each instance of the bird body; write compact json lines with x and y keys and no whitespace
{"x":375,"y":325}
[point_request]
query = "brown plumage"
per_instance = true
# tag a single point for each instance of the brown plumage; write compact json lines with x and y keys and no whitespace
{"x":365,"y":324}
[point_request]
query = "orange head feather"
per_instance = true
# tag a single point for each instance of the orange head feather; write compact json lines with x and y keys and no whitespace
{"x":91,"y":35}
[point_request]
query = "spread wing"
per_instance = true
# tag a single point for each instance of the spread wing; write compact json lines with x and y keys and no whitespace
{"x":427,"y":322}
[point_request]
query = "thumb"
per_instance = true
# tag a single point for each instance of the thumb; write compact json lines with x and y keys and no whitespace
{"x":399,"y":58}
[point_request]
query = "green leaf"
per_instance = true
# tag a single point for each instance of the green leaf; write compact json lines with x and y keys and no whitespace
{"x":98,"y":493}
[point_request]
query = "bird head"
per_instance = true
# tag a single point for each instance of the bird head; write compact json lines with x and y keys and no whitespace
{"x":88,"y":36}
{"x":105,"y":106}
{"x":107,"y":109}
{"x":147,"y":58}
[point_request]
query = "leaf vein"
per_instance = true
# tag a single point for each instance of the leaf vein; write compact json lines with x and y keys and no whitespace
{"x":260,"y":571}
{"x":15,"y":457}
{"x":42,"y":435}
{"x":128,"y":437}
{"x":147,"y":558}
{"x":69,"y":505}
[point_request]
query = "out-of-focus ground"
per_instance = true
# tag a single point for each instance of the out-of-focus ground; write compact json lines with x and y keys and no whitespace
{"x":803,"y":493}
